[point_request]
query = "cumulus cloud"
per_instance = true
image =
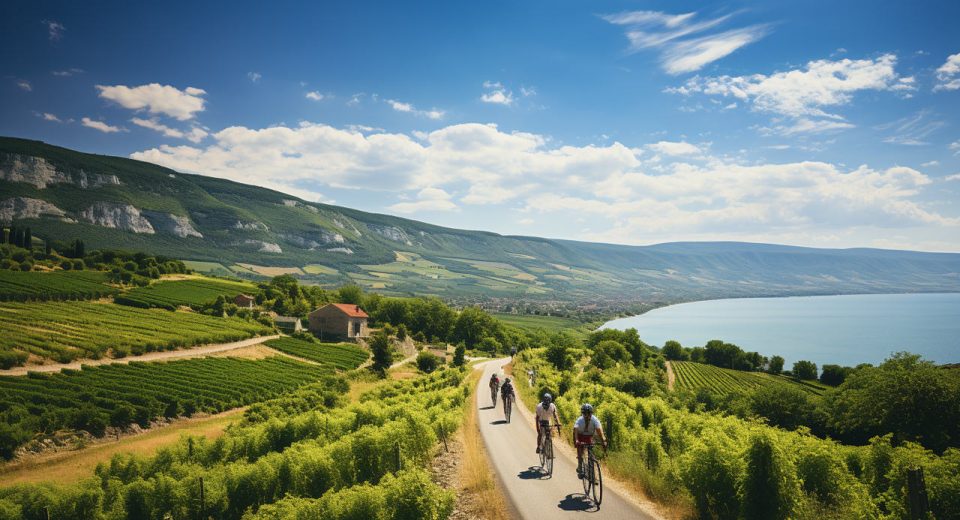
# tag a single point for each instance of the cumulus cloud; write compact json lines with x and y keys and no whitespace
{"x":680,"y":38}
{"x":954,"y":177}
{"x":157,"y":99}
{"x":314,"y":95}
{"x":428,"y":199}
{"x":400,"y":106}
{"x":101,"y":126}
{"x":805,"y":94}
{"x":948,"y":75}
{"x":195,"y":134}
{"x":679,"y":192}
{"x":495,"y":93}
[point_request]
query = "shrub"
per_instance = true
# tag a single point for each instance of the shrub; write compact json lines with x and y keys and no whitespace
{"x":770,"y":489}
{"x":427,"y":362}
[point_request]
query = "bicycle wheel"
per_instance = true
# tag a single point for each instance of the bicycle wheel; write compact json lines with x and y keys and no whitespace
{"x":507,"y":408}
{"x":586,"y":479}
{"x":597,"y":479}
{"x":547,"y":454}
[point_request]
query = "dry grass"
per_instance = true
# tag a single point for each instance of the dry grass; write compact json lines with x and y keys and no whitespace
{"x":252,"y":352}
{"x":71,"y":466}
{"x":476,"y":477}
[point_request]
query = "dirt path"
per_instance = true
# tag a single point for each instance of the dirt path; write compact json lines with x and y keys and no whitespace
{"x":74,"y":465}
{"x":511,"y":449}
{"x":202,"y":350}
{"x":671,"y":378}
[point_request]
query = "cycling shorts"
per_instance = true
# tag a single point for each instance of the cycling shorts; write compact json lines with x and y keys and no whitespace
{"x":584,"y":439}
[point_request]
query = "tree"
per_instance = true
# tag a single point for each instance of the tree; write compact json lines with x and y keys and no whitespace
{"x":782,"y":405}
{"x":490,"y":345}
{"x":557,"y":356}
{"x":352,"y":294}
{"x":427,"y":362}
{"x":674,"y":351}
{"x":776,"y":365}
{"x":382,"y":355}
{"x":472,"y":325}
{"x":834,"y":375}
{"x":27,"y":239}
{"x":609,"y":353}
{"x":805,"y":370}
{"x":770,"y":488}
{"x":458,"y":355}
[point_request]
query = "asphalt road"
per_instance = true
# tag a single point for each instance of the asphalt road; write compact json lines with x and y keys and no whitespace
{"x":511,"y":448}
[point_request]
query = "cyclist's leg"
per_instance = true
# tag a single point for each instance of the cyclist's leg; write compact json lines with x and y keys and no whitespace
{"x":539,"y":436}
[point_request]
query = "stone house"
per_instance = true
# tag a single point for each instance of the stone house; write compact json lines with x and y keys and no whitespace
{"x":338,"y":320}
{"x":288,"y":324}
{"x":244,"y":301}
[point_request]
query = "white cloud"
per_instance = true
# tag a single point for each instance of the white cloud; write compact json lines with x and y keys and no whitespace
{"x":528,"y":91}
{"x":55,"y":29}
{"x":674,"y":148}
{"x":24,"y":85}
{"x":912,"y":130}
{"x":804,"y":94}
{"x":496,"y":94}
{"x":954,"y":177}
{"x":157,"y":99}
{"x":254,"y":76}
{"x":355,"y":99}
{"x":400,"y":106}
{"x":928,"y":164}
{"x":195,"y":134}
{"x":948,"y":75}
{"x":101,"y":126}
{"x":315,"y":95}
{"x":47,"y":116}
{"x":955,"y":146}
{"x":428,"y":199}
{"x":675,"y":36}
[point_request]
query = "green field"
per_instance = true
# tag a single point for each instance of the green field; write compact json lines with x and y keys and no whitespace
{"x":691,"y":376}
{"x":65,"y":331}
{"x":212,"y":268}
{"x":53,"y":285}
{"x":121,"y":394}
{"x":531,"y":322}
{"x":171,"y":295}
{"x":319,"y":269}
{"x":344,"y":356}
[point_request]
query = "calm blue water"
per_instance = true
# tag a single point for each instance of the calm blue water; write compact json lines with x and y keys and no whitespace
{"x":844,"y":330}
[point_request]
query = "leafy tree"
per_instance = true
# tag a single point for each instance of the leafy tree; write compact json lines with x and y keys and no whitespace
{"x":834,"y":375}
{"x":720,"y":354}
{"x":672,"y":350}
{"x":770,"y":489}
{"x":609,"y":353}
{"x":805,"y":370}
{"x":427,"y":362}
{"x":558,"y":356}
{"x":776,"y":365}
{"x":458,"y":355}
{"x":782,"y":405}
{"x":473,"y":325}
{"x":382,"y":355}
{"x":490,"y":345}
{"x":352,"y":294}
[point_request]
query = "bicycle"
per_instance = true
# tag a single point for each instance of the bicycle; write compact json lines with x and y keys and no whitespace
{"x":493,"y":394}
{"x":591,"y":477}
{"x":546,"y":449}
{"x":507,"y":407}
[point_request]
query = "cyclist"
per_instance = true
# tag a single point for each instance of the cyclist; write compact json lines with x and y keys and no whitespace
{"x":545,"y":411}
{"x":506,"y":391}
{"x":494,"y":386}
{"x":584,"y":429}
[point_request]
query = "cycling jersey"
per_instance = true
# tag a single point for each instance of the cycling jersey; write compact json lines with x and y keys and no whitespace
{"x":545,"y":414}
{"x":506,"y":389}
{"x":586,"y":430}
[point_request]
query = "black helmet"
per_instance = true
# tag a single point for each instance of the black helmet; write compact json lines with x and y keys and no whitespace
{"x":507,"y":380}
{"x":587,"y":407}
{"x":547,"y":397}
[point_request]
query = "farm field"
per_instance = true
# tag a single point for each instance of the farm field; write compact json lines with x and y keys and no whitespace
{"x":172,"y":294}
{"x":319,"y":269}
{"x":691,"y":376}
{"x":65,"y":331}
{"x":532,"y":322}
{"x":94,"y":398}
{"x":212,"y":268}
{"x":344,"y":356}
{"x":264,"y":270}
{"x":53,"y":285}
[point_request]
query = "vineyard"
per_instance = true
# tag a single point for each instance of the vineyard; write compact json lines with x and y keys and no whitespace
{"x":691,"y":376}
{"x":344,"y":356}
{"x":55,"y":285}
{"x":117,"y":395}
{"x":171,"y":295}
{"x":302,"y":455}
{"x":65,"y":331}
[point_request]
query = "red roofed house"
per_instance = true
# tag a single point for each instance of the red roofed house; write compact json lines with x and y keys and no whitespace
{"x":244,"y":301}
{"x":341,"y":320}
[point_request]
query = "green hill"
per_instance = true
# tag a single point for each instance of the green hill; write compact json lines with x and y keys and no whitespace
{"x":219,"y":225}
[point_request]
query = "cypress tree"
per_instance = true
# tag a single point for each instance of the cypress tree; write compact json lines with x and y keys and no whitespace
{"x":27,"y":239}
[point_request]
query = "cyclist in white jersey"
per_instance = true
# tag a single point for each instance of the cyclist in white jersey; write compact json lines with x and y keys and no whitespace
{"x":546,"y":410}
{"x":584,"y":429}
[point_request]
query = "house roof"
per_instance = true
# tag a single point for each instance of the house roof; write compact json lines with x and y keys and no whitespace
{"x":354,"y":311}
{"x":245,"y":297}
{"x":285,"y":319}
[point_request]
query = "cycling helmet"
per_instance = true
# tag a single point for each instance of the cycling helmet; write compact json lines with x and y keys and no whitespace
{"x":587,"y":407}
{"x":547,"y":398}
{"x":507,"y":380}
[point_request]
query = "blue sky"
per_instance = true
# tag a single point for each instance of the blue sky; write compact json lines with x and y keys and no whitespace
{"x":811,"y":123}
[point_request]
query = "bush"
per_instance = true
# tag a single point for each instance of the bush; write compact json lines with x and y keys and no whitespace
{"x":427,"y":362}
{"x":806,"y":370}
{"x":770,"y":489}
{"x":458,"y":355}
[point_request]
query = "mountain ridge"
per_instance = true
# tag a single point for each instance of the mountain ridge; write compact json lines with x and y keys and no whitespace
{"x":119,"y":202}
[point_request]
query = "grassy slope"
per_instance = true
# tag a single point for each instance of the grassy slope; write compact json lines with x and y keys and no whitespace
{"x":691,"y":376}
{"x":468,"y":263}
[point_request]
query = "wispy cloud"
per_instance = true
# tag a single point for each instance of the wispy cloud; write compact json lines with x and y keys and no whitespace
{"x":66,"y":72}
{"x":954,"y":177}
{"x":314,"y":95}
{"x":47,"y":116}
{"x":805,"y":94}
{"x":497,"y":94}
{"x":400,"y":106}
{"x":157,"y":99}
{"x":912,"y":130}
{"x":195,"y":134}
{"x":55,"y":29}
{"x":948,"y":74}
{"x":254,"y":76}
{"x":101,"y":126}
{"x":24,"y":85}
{"x":428,"y":199}
{"x":673,"y":35}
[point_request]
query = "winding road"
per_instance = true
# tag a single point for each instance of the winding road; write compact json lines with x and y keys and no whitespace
{"x":532,"y":495}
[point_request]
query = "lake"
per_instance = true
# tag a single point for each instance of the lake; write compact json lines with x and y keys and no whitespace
{"x":845,"y":330}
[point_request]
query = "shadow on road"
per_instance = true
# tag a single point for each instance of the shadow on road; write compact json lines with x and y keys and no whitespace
{"x":501,"y":421}
{"x":533,"y":473}
{"x":487,"y":407}
{"x":577,"y":503}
